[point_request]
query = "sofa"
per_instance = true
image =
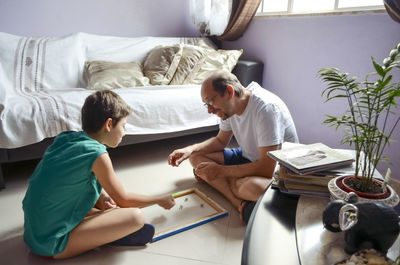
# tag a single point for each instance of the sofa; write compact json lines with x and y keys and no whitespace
{"x":45,"y":80}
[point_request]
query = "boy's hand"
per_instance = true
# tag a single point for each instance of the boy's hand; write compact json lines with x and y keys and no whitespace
{"x":105,"y":202}
{"x":166,"y":201}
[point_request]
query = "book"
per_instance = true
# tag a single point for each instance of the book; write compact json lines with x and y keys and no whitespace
{"x":306,"y":187}
{"x":316,"y":179}
{"x":305,"y":190}
{"x":311,"y":185}
{"x":311,"y":158}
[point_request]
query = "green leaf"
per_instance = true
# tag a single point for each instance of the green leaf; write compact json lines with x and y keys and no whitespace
{"x":377,"y":67}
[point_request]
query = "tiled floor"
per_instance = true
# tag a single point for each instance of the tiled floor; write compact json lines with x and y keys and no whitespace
{"x":142,"y":168}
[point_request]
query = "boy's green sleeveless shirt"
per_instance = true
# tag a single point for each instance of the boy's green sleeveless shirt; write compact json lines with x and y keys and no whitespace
{"x":61,"y":191}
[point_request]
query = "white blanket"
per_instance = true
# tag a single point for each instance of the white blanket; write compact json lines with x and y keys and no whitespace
{"x":29,"y":117}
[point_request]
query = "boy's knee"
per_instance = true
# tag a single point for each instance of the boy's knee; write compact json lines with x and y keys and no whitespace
{"x":135,"y":217}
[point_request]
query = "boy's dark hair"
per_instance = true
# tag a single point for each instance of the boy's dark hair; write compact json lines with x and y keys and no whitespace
{"x":100,"y":106}
{"x":221,"y":79}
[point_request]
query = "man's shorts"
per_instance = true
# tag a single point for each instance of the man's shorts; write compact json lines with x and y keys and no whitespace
{"x":234,"y":156}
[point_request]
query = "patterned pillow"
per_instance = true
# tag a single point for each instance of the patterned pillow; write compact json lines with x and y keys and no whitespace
{"x":109,"y":75}
{"x":190,"y":63}
{"x":216,"y":60}
{"x":161,"y":64}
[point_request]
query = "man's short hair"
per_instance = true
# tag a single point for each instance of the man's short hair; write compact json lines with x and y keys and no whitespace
{"x":100,"y":106}
{"x":221,"y":79}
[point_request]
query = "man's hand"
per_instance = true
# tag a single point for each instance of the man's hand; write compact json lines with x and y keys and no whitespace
{"x":166,"y":201}
{"x":178,"y":156}
{"x":208,"y":170}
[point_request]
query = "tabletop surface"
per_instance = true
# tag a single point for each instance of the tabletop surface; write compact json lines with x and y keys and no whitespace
{"x":288,"y":230}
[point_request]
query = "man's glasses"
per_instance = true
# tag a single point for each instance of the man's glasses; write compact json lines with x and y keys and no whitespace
{"x":210,"y":102}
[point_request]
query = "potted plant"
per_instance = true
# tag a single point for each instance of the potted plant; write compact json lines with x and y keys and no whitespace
{"x":369,"y":123}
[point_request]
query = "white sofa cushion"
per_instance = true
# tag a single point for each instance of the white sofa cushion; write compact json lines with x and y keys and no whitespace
{"x":34,"y":63}
{"x":123,"y":49}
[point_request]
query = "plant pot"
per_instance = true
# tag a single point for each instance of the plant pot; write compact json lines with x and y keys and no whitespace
{"x":339,"y":191}
{"x":341,"y":182}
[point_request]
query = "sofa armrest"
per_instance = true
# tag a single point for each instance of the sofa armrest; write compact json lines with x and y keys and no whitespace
{"x":248,"y":71}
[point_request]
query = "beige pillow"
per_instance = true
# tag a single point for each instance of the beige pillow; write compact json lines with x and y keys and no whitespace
{"x":109,"y":75}
{"x":190,"y":63}
{"x":216,"y":60}
{"x":201,"y":42}
{"x":161,"y":64}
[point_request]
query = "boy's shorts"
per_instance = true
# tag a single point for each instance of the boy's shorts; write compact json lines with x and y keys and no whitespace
{"x":234,"y":156}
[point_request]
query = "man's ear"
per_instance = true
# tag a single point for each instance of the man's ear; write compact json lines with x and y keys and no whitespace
{"x":231,"y":91}
{"x":108,"y":125}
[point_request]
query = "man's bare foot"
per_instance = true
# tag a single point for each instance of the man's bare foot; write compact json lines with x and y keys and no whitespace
{"x":245,"y":210}
{"x":240,"y":209}
{"x":200,"y":180}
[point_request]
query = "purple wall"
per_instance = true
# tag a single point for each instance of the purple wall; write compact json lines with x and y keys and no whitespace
{"x":108,"y":17}
{"x":293,"y":49}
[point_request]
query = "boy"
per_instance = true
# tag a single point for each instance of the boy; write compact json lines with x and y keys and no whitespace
{"x":74,"y":201}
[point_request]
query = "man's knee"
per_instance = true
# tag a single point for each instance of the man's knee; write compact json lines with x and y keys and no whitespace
{"x":235,"y":187}
{"x":194,"y":160}
{"x":197,"y":158}
{"x":250,"y":188}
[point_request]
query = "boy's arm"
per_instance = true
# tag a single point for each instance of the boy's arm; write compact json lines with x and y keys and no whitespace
{"x":103,"y":169}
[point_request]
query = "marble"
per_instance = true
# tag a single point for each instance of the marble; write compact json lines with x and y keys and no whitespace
{"x":316,"y":245}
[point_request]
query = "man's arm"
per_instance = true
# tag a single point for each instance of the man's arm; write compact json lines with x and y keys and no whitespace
{"x":211,"y":145}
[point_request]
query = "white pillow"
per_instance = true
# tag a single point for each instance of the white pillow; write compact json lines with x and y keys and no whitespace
{"x":35,"y":63}
{"x":122,"y":49}
{"x":131,"y":49}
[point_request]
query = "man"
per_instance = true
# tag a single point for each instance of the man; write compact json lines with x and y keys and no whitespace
{"x":260,"y":122}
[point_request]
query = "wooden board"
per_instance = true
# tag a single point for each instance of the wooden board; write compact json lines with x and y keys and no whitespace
{"x":192,"y":208}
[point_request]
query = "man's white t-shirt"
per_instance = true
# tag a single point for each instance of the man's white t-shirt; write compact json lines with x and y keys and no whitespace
{"x":266,"y":121}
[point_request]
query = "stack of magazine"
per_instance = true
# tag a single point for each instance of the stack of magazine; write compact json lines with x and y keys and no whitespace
{"x":307,"y":169}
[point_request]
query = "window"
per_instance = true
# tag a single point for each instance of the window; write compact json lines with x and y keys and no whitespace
{"x":313,"y":6}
